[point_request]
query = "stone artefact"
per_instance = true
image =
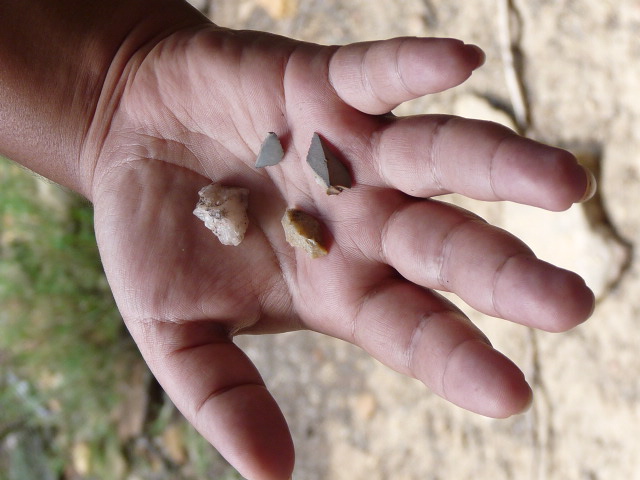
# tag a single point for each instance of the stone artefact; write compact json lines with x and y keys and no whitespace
{"x":330,"y":173}
{"x":224,"y":211}
{"x":271,"y":152}
{"x":304,"y":231}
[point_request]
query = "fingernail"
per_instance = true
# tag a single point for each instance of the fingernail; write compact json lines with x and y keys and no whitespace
{"x":592,"y":186}
{"x":478,"y":55}
{"x":529,"y":404}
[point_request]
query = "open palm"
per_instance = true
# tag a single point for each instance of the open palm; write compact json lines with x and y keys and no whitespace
{"x":195,"y":108}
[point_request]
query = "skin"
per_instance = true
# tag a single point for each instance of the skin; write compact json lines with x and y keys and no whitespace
{"x":172,"y":102}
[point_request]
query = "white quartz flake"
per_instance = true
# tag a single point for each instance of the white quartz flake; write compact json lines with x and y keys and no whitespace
{"x":224,"y":211}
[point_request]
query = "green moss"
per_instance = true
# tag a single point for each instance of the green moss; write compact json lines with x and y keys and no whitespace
{"x":60,"y":329}
{"x":66,"y":360}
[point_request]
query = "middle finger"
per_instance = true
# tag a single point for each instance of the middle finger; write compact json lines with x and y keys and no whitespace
{"x":440,"y":246}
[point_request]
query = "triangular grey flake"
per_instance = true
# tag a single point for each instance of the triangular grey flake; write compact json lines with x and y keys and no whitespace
{"x":330,"y":172}
{"x":271,"y":152}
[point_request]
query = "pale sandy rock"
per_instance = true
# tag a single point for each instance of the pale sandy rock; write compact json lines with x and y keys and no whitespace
{"x":279,"y":8}
{"x":353,"y":461}
{"x":224,"y":211}
{"x":620,"y":182}
{"x":566,"y":239}
{"x":364,"y":406}
{"x":470,"y":105}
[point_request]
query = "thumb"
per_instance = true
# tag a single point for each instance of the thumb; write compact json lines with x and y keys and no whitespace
{"x":220,"y":392}
{"x":375,"y":77}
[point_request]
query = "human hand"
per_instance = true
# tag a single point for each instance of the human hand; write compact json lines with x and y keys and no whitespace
{"x":195,"y":108}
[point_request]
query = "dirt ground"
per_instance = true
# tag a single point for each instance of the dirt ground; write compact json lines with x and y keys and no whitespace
{"x":565,"y":72}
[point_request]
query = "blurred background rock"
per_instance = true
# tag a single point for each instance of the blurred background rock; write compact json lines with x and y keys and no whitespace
{"x":564,"y":72}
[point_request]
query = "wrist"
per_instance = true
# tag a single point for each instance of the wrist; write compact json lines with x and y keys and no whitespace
{"x":65,"y":65}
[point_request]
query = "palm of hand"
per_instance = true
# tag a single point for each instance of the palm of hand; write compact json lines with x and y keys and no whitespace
{"x":197,"y":108}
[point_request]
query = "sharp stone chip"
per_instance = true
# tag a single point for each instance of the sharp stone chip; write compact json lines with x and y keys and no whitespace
{"x":304,"y":231}
{"x":271,"y":152}
{"x":330,"y":173}
{"x":224,"y":211}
